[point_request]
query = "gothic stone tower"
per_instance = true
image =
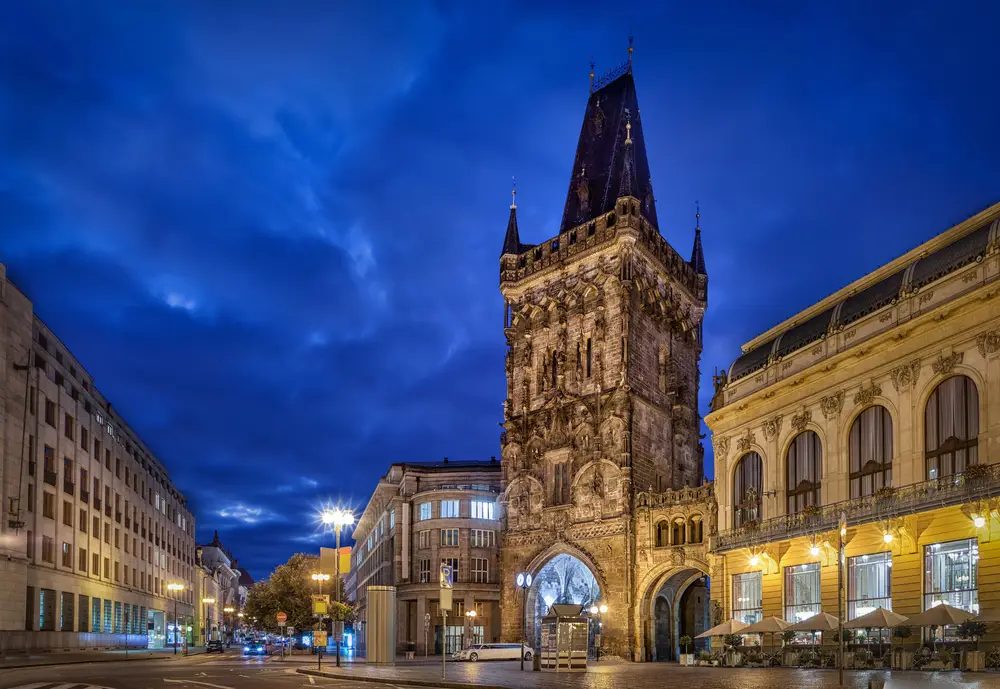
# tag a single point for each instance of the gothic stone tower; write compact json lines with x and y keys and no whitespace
{"x":603,"y":326}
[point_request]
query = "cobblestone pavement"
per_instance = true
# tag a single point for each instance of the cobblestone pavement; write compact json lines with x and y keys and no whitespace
{"x":621,"y":675}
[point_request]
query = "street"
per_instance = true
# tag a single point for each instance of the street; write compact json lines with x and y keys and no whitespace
{"x":234,"y":672}
{"x":196,"y":672}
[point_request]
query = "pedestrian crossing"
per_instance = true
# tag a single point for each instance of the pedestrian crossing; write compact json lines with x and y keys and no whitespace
{"x":59,"y":685}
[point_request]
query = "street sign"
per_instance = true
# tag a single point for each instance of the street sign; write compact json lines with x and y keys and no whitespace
{"x":281,"y":617}
{"x":319,"y":638}
{"x":446,"y":582}
{"x":321,"y":605}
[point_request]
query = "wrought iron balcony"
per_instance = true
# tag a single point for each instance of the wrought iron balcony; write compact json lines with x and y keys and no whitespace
{"x":49,"y":477}
{"x":977,"y":483}
{"x":97,"y":502}
{"x":84,"y":495}
{"x":69,"y":487}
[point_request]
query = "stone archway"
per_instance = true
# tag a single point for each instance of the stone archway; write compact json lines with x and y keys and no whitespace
{"x":675,"y":603}
{"x":561,"y":578}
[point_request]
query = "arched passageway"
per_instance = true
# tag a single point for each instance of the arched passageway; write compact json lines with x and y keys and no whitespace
{"x":562,"y":579}
{"x":677,"y":605}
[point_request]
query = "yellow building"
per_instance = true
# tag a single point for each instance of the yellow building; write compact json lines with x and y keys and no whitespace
{"x":880,"y":403}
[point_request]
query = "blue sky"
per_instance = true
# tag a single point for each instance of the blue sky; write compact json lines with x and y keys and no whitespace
{"x":271,"y":230}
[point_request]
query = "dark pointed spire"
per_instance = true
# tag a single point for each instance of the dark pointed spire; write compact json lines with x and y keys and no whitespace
{"x":697,"y":253}
{"x":512,"y":241}
{"x":612,"y":151}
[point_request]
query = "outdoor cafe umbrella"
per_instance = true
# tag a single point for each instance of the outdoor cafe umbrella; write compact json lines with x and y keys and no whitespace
{"x":939,"y":616}
{"x":724,"y":629}
{"x":879,"y":618}
{"x":820,"y":622}
{"x":768,"y":625}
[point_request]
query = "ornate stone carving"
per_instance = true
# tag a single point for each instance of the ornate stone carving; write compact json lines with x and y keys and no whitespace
{"x":744,"y":442}
{"x":865,"y":396}
{"x":800,"y":421}
{"x":721,"y":443}
{"x":771,"y":427}
{"x":831,"y":406}
{"x":946,"y":364}
{"x":988,"y":342}
{"x":905,"y":376}
{"x":677,"y":556}
{"x":926,"y":297}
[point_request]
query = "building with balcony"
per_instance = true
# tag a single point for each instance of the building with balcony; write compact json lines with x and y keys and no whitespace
{"x":879,"y":405}
{"x":95,"y":532}
{"x":223,"y":592}
{"x":423,"y":515}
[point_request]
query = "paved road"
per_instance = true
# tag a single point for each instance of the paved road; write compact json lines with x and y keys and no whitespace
{"x":233,"y":672}
{"x":198,"y":672}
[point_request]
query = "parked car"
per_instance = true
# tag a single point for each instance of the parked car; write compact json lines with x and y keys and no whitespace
{"x":215,"y":646}
{"x":492,"y":652}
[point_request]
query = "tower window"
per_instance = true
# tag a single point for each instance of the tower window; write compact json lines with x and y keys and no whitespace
{"x":589,"y":356}
{"x":579,"y":357}
{"x":554,"y":368}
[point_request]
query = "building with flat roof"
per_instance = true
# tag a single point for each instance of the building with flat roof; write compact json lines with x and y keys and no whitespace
{"x":95,"y":532}
{"x":423,"y":515}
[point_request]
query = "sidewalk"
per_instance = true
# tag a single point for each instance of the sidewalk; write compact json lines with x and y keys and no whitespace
{"x":614,"y":674}
{"x":11,"y":661}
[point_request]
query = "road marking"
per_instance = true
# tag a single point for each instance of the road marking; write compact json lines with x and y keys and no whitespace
{"x":311,"y":680}
{"x":194,"y":681}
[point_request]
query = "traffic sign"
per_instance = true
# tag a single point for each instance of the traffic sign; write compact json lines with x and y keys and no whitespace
{"x":281,"y":617}
{"x":446,"y":582}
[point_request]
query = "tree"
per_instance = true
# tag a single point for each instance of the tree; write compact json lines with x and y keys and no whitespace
{"x":289,"y":590}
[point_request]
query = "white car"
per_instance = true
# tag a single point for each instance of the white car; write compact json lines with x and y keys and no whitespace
{"x":493,"y":652}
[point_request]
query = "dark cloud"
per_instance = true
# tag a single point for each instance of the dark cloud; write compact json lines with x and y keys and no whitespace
{"x":270,"y":231}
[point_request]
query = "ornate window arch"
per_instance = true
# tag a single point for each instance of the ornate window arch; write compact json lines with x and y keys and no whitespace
{"x":870,"y":449}
{"x":662,"y":533}
{"x":804,"y":467}
{"x":695,"y":529}
{"x":678,"y":529}
{"x":748,"y":484}
{"x":951,"y":427}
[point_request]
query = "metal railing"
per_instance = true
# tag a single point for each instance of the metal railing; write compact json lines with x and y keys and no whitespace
{"x":49,"y":477}
{"x":97,"y":502}
{"x":84,"y":495}
{"x":977,"y":483}
{"x":69,"y":487}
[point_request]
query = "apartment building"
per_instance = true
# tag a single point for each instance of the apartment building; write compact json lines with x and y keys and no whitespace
{"x":97,"y":548}
{"x":422,"y":515}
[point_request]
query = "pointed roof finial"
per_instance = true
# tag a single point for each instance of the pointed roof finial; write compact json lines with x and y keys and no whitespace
{"x":697,"y":217}
{"x":591,"y":72}
{"x":698,"y":253}
{"x":513,"y":193}
{"x":630,"y":49}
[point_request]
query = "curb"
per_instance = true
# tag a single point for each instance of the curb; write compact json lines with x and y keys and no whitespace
{"x":92,"y":660}
{"x":398,"y":681}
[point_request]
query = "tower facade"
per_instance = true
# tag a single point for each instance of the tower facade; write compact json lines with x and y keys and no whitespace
{"x":603,"y":326}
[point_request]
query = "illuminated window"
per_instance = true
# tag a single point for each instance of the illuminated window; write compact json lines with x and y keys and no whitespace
{"x":747,"y":597}
{"x":951,"y":427}
{"x":951,"y":576}
{"x":869,"y":584}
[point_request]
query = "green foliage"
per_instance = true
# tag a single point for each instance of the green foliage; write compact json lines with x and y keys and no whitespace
{"x":902,"y":632}
{"x":685,"y":642}
{"x":787,"y":636}
{"x":732,"y":641}
{"x":971,"y":629}
{"x":289,"y":589}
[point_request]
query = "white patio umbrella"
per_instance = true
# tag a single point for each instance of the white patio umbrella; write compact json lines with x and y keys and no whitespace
{"x":821,"y":622}
{"x":939,"y":616}
{"x":768,"y":625}
{"x":879,"y":618}
{"x":724,"y":629}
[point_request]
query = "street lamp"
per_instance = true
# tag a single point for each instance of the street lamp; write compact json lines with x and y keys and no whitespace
{"x":176,"y":588}
{"x":523,"y":581}
{"x":208,"y":617}
{"x":598,"y":610}
{"x":471,"y":617}
{"x":229,"y":610}
{"x":338,"y":519}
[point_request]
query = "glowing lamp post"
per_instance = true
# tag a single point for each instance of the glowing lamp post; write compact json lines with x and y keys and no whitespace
{"x":523,"y":581}
{"x":598,"y":610}
{"x":470,"y":616}
{"x":337,"y":519}
{"x":176,"y":588}
{"x":208,"y":617}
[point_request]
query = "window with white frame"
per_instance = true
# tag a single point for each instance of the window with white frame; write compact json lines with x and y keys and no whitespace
{"x":449,"y":537}
{"x":869,"y":583}
{"x":453,"y":563}
{"x":483,"y":509}
{"x":747,"y":597}
{"x":480,"y":570}
{"x":802,"y":592}
{"x":449,"y":509}
{"x":392,"y":519}
{"x":482,"y":538}
{"x":425,"y":571}
{"x":424,"y":511}
{"x":951,"y":576}
{"x":423,"y":539}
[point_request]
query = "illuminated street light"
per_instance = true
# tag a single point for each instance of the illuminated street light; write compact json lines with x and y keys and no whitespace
{"x":603,"y":608}
{"x":176,"y":588}
{"x":208,"y":601}
{"x":523,"y":581}
{"x":229,"y":608}
{"x":979,"y":522}
{"x":887,"y":537}
{"x":754,"y":561}
{"x":814,"y":550}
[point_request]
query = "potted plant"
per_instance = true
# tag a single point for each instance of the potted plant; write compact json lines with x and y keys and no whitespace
{"x":731,"y":643}
{"x":704,"y":658}
{"x":970,"y":629}
{"x":687,"y":658}
{"x":901,"y":658}
{"x":791,"y":655}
